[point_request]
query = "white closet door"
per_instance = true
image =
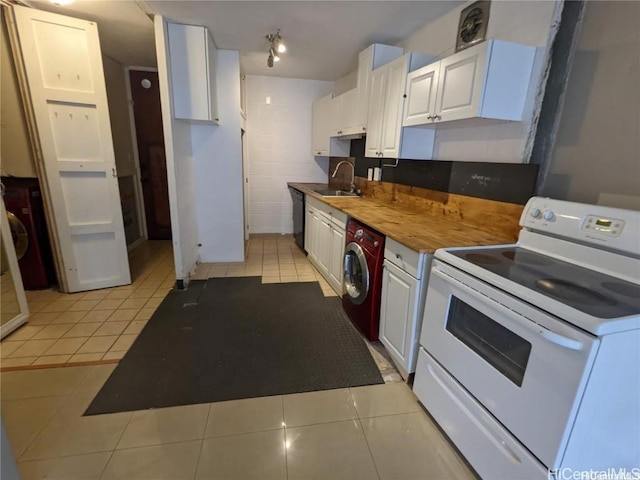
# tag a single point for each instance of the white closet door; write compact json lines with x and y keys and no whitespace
{"x":64,"y":72}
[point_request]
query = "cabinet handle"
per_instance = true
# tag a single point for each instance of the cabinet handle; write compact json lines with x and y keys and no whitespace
{"x":429,"y":117}
{"x":364,"y":128}
{"x":437,"y":117}
{"x":318,"y":153}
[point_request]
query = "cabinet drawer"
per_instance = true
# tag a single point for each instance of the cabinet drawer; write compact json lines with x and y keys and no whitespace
{"x":320,"y":206}
{"x":338,"y":218}
{"x":405,"y":258}
{"x":486,"y":444}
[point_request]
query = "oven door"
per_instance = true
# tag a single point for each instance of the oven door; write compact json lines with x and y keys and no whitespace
{"x":525,"y":366}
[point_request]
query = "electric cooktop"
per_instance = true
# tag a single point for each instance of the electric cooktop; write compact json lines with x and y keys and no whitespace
{"x":587,"y":290}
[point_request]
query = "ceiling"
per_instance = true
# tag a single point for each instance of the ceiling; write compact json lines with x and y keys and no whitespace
{"x":323,"y":37}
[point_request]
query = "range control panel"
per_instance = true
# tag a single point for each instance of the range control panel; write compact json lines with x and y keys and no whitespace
{"x":611,"y":227}
{"x":617,"y":228}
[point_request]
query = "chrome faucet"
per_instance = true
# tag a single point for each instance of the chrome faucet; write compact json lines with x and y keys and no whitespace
{"x":352,"y":187}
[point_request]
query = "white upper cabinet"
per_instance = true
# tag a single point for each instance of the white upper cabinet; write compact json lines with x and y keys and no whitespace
{"x":322,"y":145}
{"x":320,"y":126}
{"x":385,"y":137}
{"x":369,"y":59}
{"x":343,"y":115}
{"x":421,"y":95}
{"x":394,"y":107}
{"x":376,"y":112}
{"x":192,"y":57}
{"x":489,"y":80}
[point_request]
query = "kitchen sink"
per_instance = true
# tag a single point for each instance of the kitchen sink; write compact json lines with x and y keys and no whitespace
{"x":335,"y":193}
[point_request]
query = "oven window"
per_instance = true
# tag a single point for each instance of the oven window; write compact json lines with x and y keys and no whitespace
{"x":500,"y":347}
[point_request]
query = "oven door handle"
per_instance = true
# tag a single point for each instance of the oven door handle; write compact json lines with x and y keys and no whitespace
{"x":561,"y":340}
{"x":553,"y":337}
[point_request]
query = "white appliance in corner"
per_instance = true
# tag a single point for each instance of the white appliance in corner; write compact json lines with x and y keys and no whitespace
{"x":530,"y":353}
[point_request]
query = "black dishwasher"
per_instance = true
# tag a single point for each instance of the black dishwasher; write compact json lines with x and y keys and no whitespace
{"x":298,"y":216}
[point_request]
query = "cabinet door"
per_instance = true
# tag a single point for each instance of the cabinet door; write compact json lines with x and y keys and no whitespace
{"x":212,"y":62}
{"x":422,"y":86}
{"x":335,"y":116}
{"x":348,"y":113}
{"x":365,"y":62}
{"x":394,"y":107}
{"x":398,"y":313}
{"x":376,"y":112}
{"x":460,"y":84}
{"x":319,"y":126}
{"x":308,"y":231}
{"x":323,"y":245}
{"x":190,"y":72}
{"x":337,"y":258}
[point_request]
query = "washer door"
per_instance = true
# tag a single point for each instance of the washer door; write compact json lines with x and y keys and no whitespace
{"x":19,"y":235}
{"x":356,"y":273}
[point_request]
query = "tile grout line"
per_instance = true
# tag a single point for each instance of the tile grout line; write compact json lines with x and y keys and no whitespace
{"x":204,"y":436}
{"x":364,"y":433}
{"x":366,"y":439}
{"x":115,"y":446}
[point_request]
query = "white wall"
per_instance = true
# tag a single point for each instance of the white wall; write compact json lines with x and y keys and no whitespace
{"x":527,"y":22}
{"x":15,"y":148}
{"x":217,"y":166}
{"x":279,"y":147}
{"x":596,"y":158}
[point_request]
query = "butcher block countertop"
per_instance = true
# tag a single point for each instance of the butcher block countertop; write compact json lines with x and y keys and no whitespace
{"x":425,"y":220}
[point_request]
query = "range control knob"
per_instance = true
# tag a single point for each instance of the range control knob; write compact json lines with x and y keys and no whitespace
{"x":359,"y":233}
{"x":535,"y":213}
{"x":549,"y":215}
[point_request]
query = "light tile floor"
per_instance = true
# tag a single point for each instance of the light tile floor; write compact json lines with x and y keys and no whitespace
{"x":366,"y":432}
{"x":376,"y":432}
{"x":100,"y":326}
{"x":94,"y":326}
{"x":274,"y":257}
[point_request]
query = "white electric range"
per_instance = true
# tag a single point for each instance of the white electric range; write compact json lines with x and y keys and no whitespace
{"x":530,"y":353}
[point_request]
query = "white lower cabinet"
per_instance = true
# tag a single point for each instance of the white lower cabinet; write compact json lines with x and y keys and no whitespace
{"x":326,"y":232}
{"x":403,"y":296}
{"x":337,"y":257}
{"x":323,"y":238}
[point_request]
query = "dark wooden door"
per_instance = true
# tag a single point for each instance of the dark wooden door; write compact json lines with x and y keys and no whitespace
{"x":153,"y":168}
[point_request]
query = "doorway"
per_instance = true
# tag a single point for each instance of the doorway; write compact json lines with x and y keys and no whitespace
{"x":149,"y":140}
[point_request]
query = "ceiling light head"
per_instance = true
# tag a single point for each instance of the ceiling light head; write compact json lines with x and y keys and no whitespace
{"x":276,"y":47}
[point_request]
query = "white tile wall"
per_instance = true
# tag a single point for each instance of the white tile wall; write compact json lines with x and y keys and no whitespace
{"x":279,"y":147}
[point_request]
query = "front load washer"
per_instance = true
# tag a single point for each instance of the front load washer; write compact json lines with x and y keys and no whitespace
{"x":363,"y":258}
{"x":25,"y":211}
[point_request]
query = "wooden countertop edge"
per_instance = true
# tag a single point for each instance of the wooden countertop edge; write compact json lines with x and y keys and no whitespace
{"x":473,"y":234}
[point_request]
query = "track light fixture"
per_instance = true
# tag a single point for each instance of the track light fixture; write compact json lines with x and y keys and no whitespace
{"x":277,"y":47}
